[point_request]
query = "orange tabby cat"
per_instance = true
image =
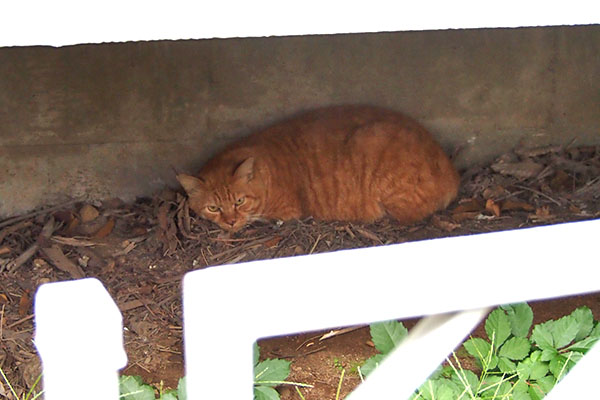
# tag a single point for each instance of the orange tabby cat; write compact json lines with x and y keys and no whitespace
{"x":353,"y":163}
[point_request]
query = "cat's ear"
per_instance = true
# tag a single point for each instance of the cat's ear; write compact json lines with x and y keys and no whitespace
{"x":190,"y":183}
{"x":245,"y":171}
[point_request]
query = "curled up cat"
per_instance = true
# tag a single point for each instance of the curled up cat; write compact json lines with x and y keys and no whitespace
{"x":347,"y":163}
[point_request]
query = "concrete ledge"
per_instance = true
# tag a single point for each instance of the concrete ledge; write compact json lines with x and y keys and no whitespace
{"x":109,"y":120}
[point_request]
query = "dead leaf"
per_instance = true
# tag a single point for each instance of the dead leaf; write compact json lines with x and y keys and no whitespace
{"x":562,"y":182}
{"x":88,"y":213}
{"x":3,"y":299}
{"x":522,"y":170}
{"x":469,"y":205}
{"x":25,"y":304}
{"x":5,"y":250}
{"x":516,"y":205}
{"x":492,"y":207}
{"x":269,"y":244}
{"x":459,"y":217}
{"x":105,"y":230}
{"x":443,"y":224}
{"x":60,"y":261}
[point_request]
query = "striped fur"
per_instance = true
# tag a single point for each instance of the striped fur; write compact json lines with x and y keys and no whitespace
{"x":353,"y":163}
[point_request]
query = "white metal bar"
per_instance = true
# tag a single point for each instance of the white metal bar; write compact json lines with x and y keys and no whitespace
{"x":425,"y":348}
{"x":225,"y":313}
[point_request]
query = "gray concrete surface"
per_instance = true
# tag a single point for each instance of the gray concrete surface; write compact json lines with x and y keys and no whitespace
{"x":110,"y":120}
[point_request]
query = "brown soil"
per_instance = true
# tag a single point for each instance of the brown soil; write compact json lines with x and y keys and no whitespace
{"x":140,"y":252}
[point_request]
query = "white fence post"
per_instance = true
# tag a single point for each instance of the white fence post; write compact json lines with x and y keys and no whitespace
{"x":79,"y":336}
{"x":224,"y":313}
{"x":79,"y":328}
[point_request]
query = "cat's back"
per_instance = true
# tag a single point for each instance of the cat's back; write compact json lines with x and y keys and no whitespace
{"x":358,"y":163}
{"x":333,"y":125}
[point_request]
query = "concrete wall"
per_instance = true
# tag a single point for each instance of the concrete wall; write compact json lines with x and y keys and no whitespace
{"x":109,"y":120}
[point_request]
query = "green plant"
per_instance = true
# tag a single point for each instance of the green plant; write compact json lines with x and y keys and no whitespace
{"x":515,"y":364}
{"x":385,"y":336}
{"x":267,"y":375}
{"x":30,"y":394}
{"x":134,"y":388}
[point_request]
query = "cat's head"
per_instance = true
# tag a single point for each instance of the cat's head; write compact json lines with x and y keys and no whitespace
{"x":229,"y":199}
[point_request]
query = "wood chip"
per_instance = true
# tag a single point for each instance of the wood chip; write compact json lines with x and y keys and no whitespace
{"x":130,"y":305}
{"x":522,"y":170}
{"x":47,"y":231}
{"x":338,"y":332}
{"x":368,"y":234}
{"x":13,"y":228}
{"x":25,"y":304}
{"x":516,"y":205}
{"x":69,"y":241}
{"x":60,"y":261}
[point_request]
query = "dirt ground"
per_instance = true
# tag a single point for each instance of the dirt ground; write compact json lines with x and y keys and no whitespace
{"x":140,"y":252}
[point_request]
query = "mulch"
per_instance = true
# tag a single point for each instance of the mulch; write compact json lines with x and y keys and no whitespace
{"x":140,"y":251}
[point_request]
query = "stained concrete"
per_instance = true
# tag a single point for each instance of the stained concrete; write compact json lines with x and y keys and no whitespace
{"x":111,"y":120}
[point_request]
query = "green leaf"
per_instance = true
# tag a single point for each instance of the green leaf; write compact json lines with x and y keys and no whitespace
{"x":561,"y":364}
{"x":521,"y":396}
{"x":169,"y":395}
{"x":255,"y":353}
{"x":585,"y":318}
{"x":387,"y":335}
{"x":539,"y":369}
{"x":583,"y":345}
{"x":564,"y":331}
{"x":542,"y":335}
{"x":516,"y":348}
{"x":529,"y":369}
{"x":549,"y":354}
{"x":439,"y":389}
{"x":506,"y":366}
{"x":182,"y":389}
{"x":371,"y":364}
{"x":495,"y":387}
{"x":134,"y":388}
{"x":273,"y":370}
{"x":520,"y":317}
{"x":541,"y":387}
{"x":497,"y":327}
{"x":265,"y":393}
{"x":595,"y":331}
{"x":520,"y":386}
{"x":478,"y":348}
{"x":467,"y":382}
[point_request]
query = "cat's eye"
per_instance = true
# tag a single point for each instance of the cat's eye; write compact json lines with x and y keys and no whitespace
{"x":213,"y":209}
{"x":240,"y":201}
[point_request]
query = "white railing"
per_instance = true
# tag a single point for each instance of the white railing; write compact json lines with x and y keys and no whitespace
{"x":439,"y":278}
